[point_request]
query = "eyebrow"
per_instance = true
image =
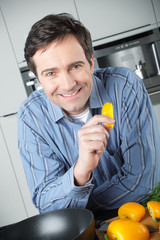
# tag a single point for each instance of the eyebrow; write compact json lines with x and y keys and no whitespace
{"x":75,"y":63}
{"x":68,"y":66}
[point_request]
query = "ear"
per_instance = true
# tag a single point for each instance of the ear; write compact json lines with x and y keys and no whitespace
{"x":92,"y":64}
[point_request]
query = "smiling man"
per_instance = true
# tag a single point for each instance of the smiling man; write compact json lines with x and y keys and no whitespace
{"x":70,"y":158}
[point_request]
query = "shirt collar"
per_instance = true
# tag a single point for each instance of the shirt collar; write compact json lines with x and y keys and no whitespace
{"x":55,"y":111}
{"x":98,"y":97}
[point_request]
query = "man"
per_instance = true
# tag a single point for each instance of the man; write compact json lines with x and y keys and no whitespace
{"x":70,"y":158}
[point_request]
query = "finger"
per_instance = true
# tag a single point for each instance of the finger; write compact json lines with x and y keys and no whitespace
{"x":91,"y":141}
{"x":96,"y":146}
{"x":107,"y":127}
{"x":93,"y":129}
{"x":96,"y":137}
{"x":99,"y":119}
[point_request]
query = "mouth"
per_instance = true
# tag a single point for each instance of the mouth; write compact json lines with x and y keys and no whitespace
{"x":71,"y":94}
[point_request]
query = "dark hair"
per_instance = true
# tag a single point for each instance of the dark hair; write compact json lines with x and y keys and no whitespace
{"x":55,"y":27}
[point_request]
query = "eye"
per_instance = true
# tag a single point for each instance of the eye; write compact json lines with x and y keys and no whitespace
{"x":50,"y":74}
{"x":75,"y":67}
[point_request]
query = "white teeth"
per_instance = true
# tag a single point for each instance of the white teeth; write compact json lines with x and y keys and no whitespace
{"x":69,"y":95}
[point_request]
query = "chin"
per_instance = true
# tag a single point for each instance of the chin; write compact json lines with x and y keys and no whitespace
{"x":75,"y":110}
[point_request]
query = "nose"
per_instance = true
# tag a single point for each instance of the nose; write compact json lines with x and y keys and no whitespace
{"x":67,"y":81}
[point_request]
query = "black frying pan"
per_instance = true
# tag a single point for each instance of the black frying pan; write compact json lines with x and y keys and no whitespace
{"x":64,"y":224}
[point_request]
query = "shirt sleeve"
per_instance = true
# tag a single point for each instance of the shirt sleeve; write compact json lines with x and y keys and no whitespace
{"x":51,"y":185}
{"x":138,"y":155}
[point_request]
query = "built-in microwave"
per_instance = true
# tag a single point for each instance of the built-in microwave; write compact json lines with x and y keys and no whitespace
{"x":140,"y":52}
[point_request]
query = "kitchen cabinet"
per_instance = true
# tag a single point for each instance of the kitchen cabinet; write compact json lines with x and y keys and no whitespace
{"x":156,"y":5}
{"x":15,"y":200}
{"x":20,"y":15}
{"x":12,"y":91}
{"x":9,"y":128}
{"x":12,"y":208}
{"x":109,"y":20}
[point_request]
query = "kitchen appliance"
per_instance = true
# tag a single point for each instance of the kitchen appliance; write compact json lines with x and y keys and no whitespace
{"x":140,"y":53}
{"x":29,"y":80}
{"x":60,"y":224}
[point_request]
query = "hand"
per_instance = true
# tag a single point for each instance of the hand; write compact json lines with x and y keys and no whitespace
{"x":92,"y":143}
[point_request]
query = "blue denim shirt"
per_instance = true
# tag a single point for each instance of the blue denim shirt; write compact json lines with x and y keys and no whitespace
{"x":130,"y":165}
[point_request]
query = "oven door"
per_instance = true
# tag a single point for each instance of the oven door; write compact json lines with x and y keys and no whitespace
{"x":155,"y":99}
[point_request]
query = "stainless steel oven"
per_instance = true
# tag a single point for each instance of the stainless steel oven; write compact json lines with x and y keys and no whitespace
{"x":141,"y":53}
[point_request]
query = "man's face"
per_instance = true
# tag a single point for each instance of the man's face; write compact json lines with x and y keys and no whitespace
{"x":65,"y":74}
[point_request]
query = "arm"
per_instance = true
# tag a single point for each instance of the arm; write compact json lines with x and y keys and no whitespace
{"x":51,"y":181}
{"x":138,"y":155}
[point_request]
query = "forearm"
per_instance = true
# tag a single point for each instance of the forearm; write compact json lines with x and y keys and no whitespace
{"x":112,"y":194}
{"x":62,"y":193}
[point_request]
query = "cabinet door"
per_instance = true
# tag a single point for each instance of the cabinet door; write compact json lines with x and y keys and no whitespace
{"x":12,"y":91}
{"x":12,"y":208}
{"x":106,"y":18}
{"x":21,"y":15}
{"x":156,"y":4}
{"x":9,"y":127}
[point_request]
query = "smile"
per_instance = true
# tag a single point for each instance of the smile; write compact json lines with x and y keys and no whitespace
{"x":72,"y":94}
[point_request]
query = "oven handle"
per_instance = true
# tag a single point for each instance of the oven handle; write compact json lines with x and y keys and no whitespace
{"x":153,"y":93}
{"x":156,"y":58}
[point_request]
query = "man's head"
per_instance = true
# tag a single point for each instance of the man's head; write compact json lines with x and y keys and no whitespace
{"x":59,"y":51}
{"x":54,"y":28}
